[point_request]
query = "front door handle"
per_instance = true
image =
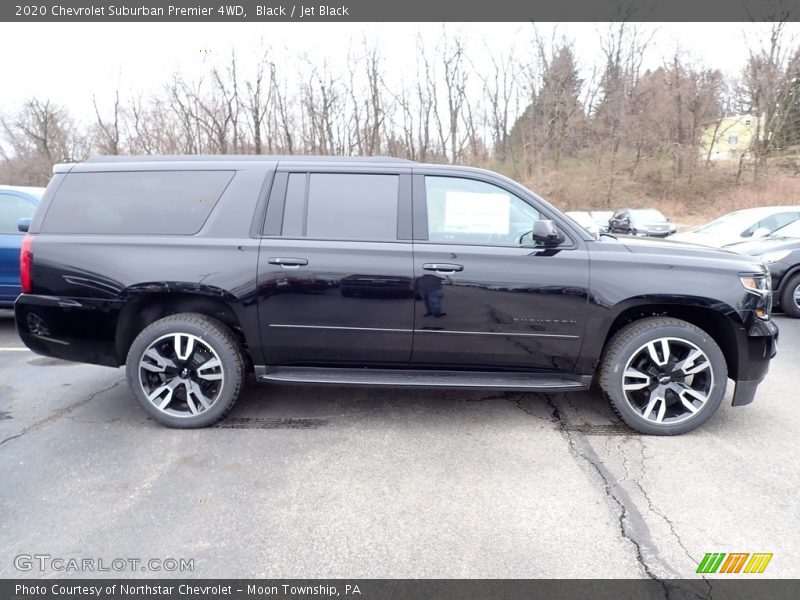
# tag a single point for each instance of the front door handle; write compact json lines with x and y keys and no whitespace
{"x":443,"y":267}
{"x":288,"y":263}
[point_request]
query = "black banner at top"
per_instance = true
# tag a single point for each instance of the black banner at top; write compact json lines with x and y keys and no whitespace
{"x":399,"y":11}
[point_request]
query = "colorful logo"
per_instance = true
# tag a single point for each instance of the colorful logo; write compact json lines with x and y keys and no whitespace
{"x":716,"y":562}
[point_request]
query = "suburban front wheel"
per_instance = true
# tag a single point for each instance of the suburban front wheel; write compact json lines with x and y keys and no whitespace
{"x":663,"y":376}
{"x":186,"y":370}
{"x":790,"y":297}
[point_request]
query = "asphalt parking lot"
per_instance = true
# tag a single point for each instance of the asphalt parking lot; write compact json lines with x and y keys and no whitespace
{"x":345,"y":482}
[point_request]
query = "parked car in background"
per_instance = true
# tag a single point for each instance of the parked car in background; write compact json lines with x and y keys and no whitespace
{"x":602,"y":217}
{"x":640,"y":221}
{"x":780,"y":251}
{"x":16,"y":203}
{"x":585,"y":220}
{"x":740,"y":226}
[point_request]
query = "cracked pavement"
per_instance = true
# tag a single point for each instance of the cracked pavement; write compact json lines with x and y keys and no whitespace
{"x":352,"y":482}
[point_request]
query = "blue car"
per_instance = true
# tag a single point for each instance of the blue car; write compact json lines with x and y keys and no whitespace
{"x":15,"y":203}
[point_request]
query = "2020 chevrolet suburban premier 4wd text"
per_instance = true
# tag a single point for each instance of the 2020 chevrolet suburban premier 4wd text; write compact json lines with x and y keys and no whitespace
{"x":192,"y":271}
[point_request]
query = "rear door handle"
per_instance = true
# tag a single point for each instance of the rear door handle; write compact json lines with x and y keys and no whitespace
{"x":443,"y":267}
{"x":288,"y":263}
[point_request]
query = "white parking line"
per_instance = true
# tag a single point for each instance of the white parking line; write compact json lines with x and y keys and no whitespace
{"x":14,"y":349}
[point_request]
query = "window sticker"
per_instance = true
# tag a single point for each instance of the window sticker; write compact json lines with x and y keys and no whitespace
{"x":469,"y":212}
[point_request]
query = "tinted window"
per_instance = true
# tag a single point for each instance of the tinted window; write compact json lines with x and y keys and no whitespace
{"x":294,"y":212}
{"x":12,"y":209}
{"x":136,"y":202}
{"x":466,"y":211}
{"x":343,"y":206}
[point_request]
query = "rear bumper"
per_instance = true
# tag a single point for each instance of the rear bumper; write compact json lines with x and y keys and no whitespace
{"x":70,"y":329}
{"x":754,"y":357}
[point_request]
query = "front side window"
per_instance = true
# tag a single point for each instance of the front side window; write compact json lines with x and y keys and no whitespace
{"x":790,"y":230}
{"x":772,"y":222}
{"x":467,"y":211}
{"x":341,"y":206}
{"x":12,"y":209}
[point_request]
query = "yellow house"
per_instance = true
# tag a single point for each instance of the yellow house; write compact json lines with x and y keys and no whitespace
{"x":729,"y":137}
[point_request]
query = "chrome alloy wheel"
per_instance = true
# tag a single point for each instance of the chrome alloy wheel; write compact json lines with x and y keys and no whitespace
{"x":796,"y":296}
{"x":181,"y":375}
{"x":667,"y":380}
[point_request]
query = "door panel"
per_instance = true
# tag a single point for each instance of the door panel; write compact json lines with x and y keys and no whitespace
{"x":12,"y":209}
{"x":483,"y":301}
{"x":9,"y":266}
{"x":351,"y":302}
{"x":507,"y":308}
{"x":347,"y":299}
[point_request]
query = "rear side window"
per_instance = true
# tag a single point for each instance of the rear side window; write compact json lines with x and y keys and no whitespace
{"x":12,"y":209}
{"x":135,"y":202}
{"x":341,"y":206}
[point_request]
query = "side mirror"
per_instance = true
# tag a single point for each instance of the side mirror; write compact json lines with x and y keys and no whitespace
{"x":546,"y":233}
{"x":761,"y":232}
{"x":23,"y":225}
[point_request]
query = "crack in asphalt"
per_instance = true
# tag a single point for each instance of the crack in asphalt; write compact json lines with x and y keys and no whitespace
{"x":632,"y":525}
{"x":62,"y":412}
{"x":652,"y":508}
{"x":507,"y":397}
{"x":627,"y":511}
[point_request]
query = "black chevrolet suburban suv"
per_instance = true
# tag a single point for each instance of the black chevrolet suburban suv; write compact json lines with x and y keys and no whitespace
{"x":194,"y":271}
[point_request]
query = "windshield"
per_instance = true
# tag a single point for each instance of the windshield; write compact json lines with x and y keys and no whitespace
{"x":735,"y":221}
{"x":601,"y":216}
{"x":583,"y":219}
{"x":790,"y":230}
{"x":647,"y":215}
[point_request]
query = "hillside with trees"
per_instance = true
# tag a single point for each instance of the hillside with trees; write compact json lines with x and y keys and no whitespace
{"x":623,"y":135}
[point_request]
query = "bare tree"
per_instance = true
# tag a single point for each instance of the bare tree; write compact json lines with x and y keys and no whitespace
{"x":108,"y":134}
{"x":41,"y":134}
{"x":768,"y":89}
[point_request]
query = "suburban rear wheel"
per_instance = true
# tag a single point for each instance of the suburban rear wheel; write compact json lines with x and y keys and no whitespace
{"x":663,"y":376}
{"x":186,"y":370}
{"x":790,"y":297}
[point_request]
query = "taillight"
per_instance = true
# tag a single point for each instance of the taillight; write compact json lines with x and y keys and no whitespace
{"x":25,"y":260}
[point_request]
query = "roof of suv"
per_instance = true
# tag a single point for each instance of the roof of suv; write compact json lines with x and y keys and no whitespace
{"x":246,"y":157}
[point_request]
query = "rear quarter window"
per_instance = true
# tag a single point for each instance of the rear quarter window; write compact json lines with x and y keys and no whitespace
{"x":135,"y":202}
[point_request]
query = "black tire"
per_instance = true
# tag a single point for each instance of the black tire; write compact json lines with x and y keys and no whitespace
{"x":630,"y":350}
{"x":206,"y":341}
{"x":790,"y":290}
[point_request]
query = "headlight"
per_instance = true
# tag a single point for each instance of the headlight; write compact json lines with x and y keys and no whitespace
{"x":760,"y":284}
{"x":771,"y":257}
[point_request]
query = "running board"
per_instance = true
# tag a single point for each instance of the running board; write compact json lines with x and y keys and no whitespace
{"x":530,"y":382}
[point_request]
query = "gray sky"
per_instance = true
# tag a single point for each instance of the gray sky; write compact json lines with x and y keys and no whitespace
{"x":69,"y":63}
